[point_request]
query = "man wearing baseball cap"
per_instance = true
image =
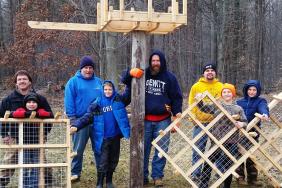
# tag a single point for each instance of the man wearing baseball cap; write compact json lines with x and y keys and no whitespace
{"x":207,"y":82}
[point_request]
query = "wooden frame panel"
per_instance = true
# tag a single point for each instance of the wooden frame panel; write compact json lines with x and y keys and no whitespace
{"x":173,"y":158}
{"x":43,"y":145}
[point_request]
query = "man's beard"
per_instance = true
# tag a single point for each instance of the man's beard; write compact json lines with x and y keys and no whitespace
{"x":155,"y":71}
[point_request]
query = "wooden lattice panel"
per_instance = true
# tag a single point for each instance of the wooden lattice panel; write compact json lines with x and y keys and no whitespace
{"x":220,"y":157}
{"x":40,"y":147}
{"x":268,"y":157}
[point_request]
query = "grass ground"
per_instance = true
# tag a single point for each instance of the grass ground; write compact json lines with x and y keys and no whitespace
{"x":121,"y":176}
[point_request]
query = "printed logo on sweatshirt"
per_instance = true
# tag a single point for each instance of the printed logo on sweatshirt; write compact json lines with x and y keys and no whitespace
{"x":107,"y":109}
{"x":155,"y":87}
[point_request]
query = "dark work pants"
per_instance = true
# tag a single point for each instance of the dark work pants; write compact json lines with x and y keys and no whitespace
{"x":109,"y":154}
{"x":252,"y":172}
{"x":224,"y":162}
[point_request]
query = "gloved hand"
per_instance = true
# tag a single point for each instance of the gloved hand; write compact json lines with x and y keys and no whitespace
{"x":136,"y":72}
{"x":178,"y":115}
{"x":92,"y":107}
{"x":168,"y":108}
{"x":42,"y":113}
{"x":73,"y":130}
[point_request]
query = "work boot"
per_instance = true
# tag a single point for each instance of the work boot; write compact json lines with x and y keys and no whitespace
{"x":109,"y":180}
{"x":100,"y":179}
{"x":241,"y":181}
{"x":254,"y":182}
{"x":158,"y":182}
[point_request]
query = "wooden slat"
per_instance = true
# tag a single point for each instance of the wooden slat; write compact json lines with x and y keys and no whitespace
{"x":68,"y":142}
{"x":58,"y":115}
{"x":62,"y":26}
{"x":34,"y":146}
{"x":21,"y":166}
{"x":41,"y":156}
{"x":62,"y":122}
{"x":7,"y":114}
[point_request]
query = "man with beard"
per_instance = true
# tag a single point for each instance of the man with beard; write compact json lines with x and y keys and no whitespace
{"x":207,"y":82}
{"x":163,"y":97}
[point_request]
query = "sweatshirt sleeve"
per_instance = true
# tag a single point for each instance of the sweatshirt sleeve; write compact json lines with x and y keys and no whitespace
{"x":83,"y":121}
{"x":191,"y":97}
{"x":126,"y":95}
{"x":175,"y":95}
{"x":4,"y":126}
{"x":70,"y":95}
{"x":263,"y":108}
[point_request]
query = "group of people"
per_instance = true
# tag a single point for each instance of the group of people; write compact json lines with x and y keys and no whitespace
{"x":21,"y":103}
{"x":97,"y":111}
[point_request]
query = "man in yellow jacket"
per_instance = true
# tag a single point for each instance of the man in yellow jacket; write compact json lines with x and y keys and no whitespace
{"x":207,"y":82}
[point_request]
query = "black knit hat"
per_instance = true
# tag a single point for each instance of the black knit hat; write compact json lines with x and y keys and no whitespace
{"x":210,"y":65}
{"x":31,"y":97}
{"x":86,"y":61}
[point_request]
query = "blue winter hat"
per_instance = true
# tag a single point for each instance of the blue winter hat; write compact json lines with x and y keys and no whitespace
{"x":86,"y":61}
{"x":210,"y":65}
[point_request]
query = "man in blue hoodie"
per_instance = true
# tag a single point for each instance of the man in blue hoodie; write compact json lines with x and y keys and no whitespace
{"x":252,"y":103}
{"x":161,"y":90}
{"x":80,"y":91}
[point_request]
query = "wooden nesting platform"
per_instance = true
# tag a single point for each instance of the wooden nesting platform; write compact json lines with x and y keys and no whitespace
{"x":125,"y":21}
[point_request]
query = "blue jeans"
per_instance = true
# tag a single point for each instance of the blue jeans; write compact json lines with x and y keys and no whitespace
{"x":151,"y":132}
{"x":201,"y":144}
{"x":31,"y":175}
{"x":80,"y":140}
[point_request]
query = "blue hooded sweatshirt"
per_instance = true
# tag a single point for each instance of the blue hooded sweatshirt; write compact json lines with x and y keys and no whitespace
{"x":252,"y":105}
{"x":109,"y":117}
{"x":79,"y":93}
{"x":161,"y":89}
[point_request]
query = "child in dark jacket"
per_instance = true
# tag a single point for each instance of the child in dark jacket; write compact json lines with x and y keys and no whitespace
{"x":252,"y":103}
{"x":31,"y":135}
{"x":31,"y":130}
{"x":224,"y":125}
{"x":110,"y":124}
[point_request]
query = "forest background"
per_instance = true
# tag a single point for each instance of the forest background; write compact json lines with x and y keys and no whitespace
{"x":244,"y":37}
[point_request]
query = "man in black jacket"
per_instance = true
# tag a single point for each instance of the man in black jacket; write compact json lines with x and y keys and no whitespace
{"x":9,"y":132}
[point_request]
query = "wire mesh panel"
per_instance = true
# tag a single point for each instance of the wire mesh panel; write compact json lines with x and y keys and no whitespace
{"x":268,"y":157}
{"x":34,"y":153}
{"x":205,"y":147}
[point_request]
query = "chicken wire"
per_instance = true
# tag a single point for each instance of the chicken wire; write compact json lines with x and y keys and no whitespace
{"x":34,"y":152}
{"x":268,"y":157}
{"x":205,"y":147}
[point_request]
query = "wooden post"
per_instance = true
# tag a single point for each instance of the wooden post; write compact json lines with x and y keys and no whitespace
{"x":139,"y":55}
{"x":41,"y":155}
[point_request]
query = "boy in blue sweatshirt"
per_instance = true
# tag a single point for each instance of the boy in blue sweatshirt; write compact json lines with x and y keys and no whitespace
{"x":110,"y":124}
{"x":252,"y":103}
